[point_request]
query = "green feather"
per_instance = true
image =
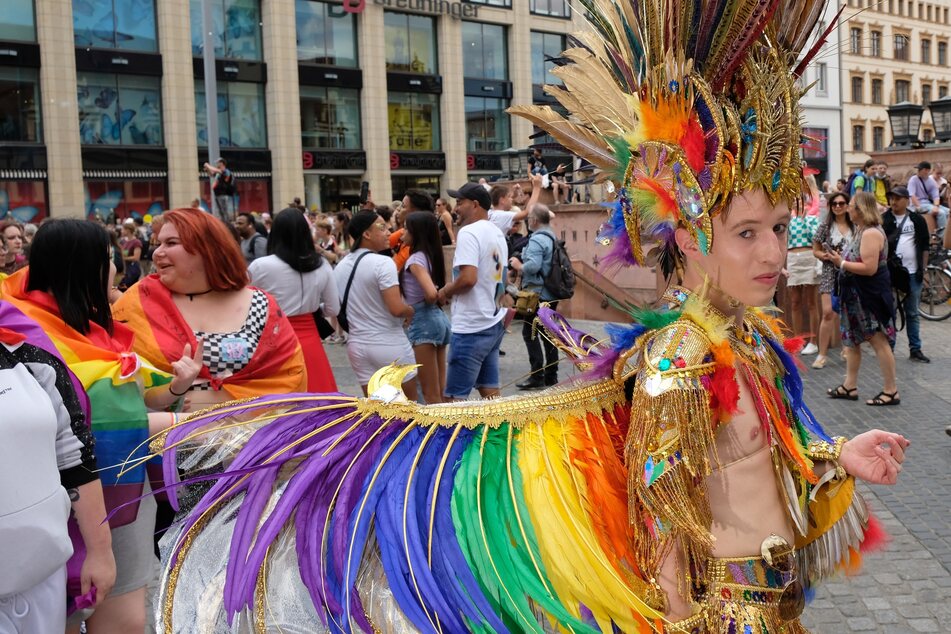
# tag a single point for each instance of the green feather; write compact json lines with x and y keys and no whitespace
{"x":656,"y":319}
{"x":622,"y":151}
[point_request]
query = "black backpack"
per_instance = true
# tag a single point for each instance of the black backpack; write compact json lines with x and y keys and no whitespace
{"x":560,"y":281}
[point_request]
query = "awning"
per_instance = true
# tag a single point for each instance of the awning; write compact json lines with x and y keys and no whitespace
{"x":125,"y":174}
{"x":22,"y":175}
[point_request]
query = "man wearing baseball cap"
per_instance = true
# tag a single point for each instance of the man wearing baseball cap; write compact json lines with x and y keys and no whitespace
{"x":478,"y":281}
{"x":908,"y":237}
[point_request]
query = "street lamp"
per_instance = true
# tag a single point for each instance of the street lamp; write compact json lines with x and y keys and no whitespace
{"x":905,"y":119}
{"x":941,"y":117}
{"x":511,"y":162}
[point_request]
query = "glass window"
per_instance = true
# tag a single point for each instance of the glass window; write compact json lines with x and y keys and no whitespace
{"x":410,"y":43}
{"x":487,"y":124}
{"x":17,"y":21}
{"x":124,"y":24}
{"x":855,"y":41}
{"x":492,"y":3}
{"x":556,"y":8}
{"x":925,"y":51}
{"x":901,"y":47}
{"x":330,"y":118}
{"x":876,"y":37}
{"x":484,"y":49}
{"x":241,"y":119}
{"x":20,"y":118}
{"x":858,"y":90}
{"x":429,"y":184}
{"x":414,"y":121}
{"x":822,"y":71}
{"x":942,"y":91}
{"x":236,"y":25}
{"x":119,"y":109}
{"x":115,"y":200}
{"x":858,"y":138}
{"x":326,"y":34}
{"x":544,"y":46}
{"x":902,"y":90}
{"x":942,"y":53}
{"x":23,"y":200}
{"x":925,"y":94}
{"x":877,"y":86}
{"x":878,"y":138}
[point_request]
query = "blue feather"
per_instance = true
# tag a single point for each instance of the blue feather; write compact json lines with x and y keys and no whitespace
{"x":793,"y":384}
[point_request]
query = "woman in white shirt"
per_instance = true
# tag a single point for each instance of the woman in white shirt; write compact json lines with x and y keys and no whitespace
{"x":301,"y":282}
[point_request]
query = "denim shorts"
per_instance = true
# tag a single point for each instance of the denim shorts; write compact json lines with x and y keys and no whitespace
{"x":430,"y":325}
{"x":473,"y":361}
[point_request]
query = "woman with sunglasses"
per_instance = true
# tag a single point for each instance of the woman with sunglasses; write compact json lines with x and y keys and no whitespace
{"x":833,"y":234}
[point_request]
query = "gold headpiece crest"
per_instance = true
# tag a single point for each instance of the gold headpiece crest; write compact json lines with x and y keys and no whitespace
{"x":684,"y":104}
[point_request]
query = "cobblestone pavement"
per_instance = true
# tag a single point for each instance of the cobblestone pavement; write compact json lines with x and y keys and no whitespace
{"x":907,"y":586}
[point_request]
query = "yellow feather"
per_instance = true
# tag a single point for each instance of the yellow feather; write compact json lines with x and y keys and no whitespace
{"x":577,"y":139}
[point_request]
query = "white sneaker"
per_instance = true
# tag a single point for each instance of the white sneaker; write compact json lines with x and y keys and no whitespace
{"x":810,"y":348}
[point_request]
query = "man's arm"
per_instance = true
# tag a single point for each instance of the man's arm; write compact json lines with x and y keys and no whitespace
{"x":465,"y":280}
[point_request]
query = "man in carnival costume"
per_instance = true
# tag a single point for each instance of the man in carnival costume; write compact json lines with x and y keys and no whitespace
{"x":680,"y":486}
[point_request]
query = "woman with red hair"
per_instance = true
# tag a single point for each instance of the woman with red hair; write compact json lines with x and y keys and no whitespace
{"x":199,"y":292}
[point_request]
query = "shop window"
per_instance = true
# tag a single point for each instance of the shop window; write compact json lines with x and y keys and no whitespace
{"x":112,"y":200}
{"x":487,"y":124}
{"x":554,"y":8}
{"x":254,"y":194}
{"x":332,"y":193}
{"x":326,"y":34}
{"x":23,"y":200}
{"x":241,"y":119}
{"x":485,"y":51}
{"x":545,"y":46}
{"x":119,"y":109}
{"x":236,"y":25}
{"x":506,"y":4}
{"x":401,"y":183}
{"x":20,"y":119}
{"x":123,"y":24}
{"x":410,"y":43}
{"x":17,"y":22}
{"x":413,"y":122}
{"x":330,"y":118}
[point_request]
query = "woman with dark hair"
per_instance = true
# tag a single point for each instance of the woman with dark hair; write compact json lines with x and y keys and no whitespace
{"x":131,"y":248}
{"x":302,"y":283}
{"x":833,"y":234}
{"x":429,"y":330}
{"x":71,"y":305}
{"x":199,"y":290}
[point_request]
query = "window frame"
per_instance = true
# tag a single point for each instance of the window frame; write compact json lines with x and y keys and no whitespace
{"x":858,"y":134}
{"x":878,"y":91}
{"x":32,"y":40}
{"x":436,"y":126}
{"x":534,"y":10}
{"x":38,"y":102}
{"x":857,"y":85}
{"x":116,"y":85}
{"x":505,"y":50}
{"x":115,"y":21}
{"x":901,"y":53}
{"x":905,"y":84}
{"x":855,"y":40}
{"x":926,"y":51}
{"x":196,"y":47}
{"x":409,"y":39}
{"x":326,"y":17}
{"x":200,"y":103}
{"x":878,"y":138}
{"x":304,"y":89}
{"x":504,"y":121}
{"x":875,"y":41}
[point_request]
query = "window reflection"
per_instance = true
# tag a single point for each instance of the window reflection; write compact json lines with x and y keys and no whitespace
{"x":326,"y":34}
{"x":236,"y":26}
{"x":487,"y":124}
{"x":241,"y":118}
{"x":20,"y":105}
{"x":330,"y":118}
{"x":17,"y":21}
{"x":413,"y":121}
{"x":410,"y":43}
{"x":123,"y":24}
{"x":119,"y":109}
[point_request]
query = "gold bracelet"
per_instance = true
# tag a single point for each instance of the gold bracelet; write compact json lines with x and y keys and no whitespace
{"x":822,"y":450}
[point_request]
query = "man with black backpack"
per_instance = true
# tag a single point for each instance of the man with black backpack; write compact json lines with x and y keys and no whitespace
{"x":545,"y":270}
{"x":907,"y":236}
{"x":222,"y":188}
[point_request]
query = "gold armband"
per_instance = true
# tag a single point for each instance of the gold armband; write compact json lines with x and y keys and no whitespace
{"x":821,"y":450}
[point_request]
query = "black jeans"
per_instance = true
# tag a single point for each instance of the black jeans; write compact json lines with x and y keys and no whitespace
{"x":543,"y":367}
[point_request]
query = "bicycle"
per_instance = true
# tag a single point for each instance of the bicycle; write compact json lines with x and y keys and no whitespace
{"x":935,"y":303}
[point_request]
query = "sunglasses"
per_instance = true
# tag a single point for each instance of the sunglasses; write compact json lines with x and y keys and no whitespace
{"x":839,"y":203}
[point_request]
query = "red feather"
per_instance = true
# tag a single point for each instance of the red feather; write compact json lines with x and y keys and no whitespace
{"x":876,"y":537}
{"x":724,"y":392}
{"x":694,"y":145}
{"x":794,"y":345}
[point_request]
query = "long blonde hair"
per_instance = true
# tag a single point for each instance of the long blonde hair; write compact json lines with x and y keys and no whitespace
{"x":867,"y":207}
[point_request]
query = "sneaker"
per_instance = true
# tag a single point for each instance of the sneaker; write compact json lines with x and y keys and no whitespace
{"x":819,"y":363}
{"x":919,"y":356}
{"x":810,"y":348}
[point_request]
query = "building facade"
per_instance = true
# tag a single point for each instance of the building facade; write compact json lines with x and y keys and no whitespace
{"x":103,"y":109}
{"x":822,"y":108}
{"x":892,"y":51}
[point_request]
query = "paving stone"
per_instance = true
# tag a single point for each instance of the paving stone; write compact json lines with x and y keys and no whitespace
{"x":861,"y":624}
{"x":923,"y":625}
{"x":883,"y":617}
{"x":876,"y":603}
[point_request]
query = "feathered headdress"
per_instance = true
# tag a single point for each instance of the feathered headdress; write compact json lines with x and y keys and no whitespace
{"x":684,"y":103}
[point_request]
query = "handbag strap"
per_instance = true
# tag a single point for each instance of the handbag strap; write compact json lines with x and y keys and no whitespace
{"x":346,"y":292}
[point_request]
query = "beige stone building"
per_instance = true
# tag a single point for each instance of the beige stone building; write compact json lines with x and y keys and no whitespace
{"x":103,"y":106}
{"x":892,"y":51}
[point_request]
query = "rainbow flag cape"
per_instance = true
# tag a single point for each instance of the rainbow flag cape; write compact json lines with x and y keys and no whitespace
{"x":110,"y":372}
{"x":276,"y":367}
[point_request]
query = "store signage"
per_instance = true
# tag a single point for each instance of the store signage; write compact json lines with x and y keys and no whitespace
{"x":484,"y":162}
{"x":435,"y":161}
{"x":321,"y":160}
{"x":445,"y":7}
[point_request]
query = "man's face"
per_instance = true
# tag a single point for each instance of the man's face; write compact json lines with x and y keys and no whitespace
{"x":749,"y":248}
{"x":465,"y":209}
{"x":899,"y":204}
{"x":924,"y":172}
{"x":243,"y":226}
{"x":221,"y":165}
{"x":506,"y":202}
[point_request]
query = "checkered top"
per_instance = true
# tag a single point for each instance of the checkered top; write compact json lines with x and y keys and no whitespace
{"x":802,"y":229}
{"x":229,"y":352}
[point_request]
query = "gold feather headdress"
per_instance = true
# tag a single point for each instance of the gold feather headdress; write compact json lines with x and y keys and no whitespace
{"x":684,"y":103}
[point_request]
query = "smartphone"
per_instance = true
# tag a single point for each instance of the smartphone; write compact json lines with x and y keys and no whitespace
{"x":364,"y":192}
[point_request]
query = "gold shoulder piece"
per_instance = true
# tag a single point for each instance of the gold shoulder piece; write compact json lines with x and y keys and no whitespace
{"x":675,"y":352}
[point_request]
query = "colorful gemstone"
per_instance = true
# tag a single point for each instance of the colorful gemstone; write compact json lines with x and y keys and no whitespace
{"x":674,"y":86}
{"x":680,"y":363}
{"x":664,"y":365}
{"x":777,"y":177}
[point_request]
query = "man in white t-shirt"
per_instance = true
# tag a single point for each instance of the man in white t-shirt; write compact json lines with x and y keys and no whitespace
{"x":501,"y":213}
{"x":478,"y":281}
{"x":375,"y":311}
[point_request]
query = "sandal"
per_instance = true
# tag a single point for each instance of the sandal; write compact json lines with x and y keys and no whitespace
{"x":843,"y":392}
{"x":878,"y":401}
